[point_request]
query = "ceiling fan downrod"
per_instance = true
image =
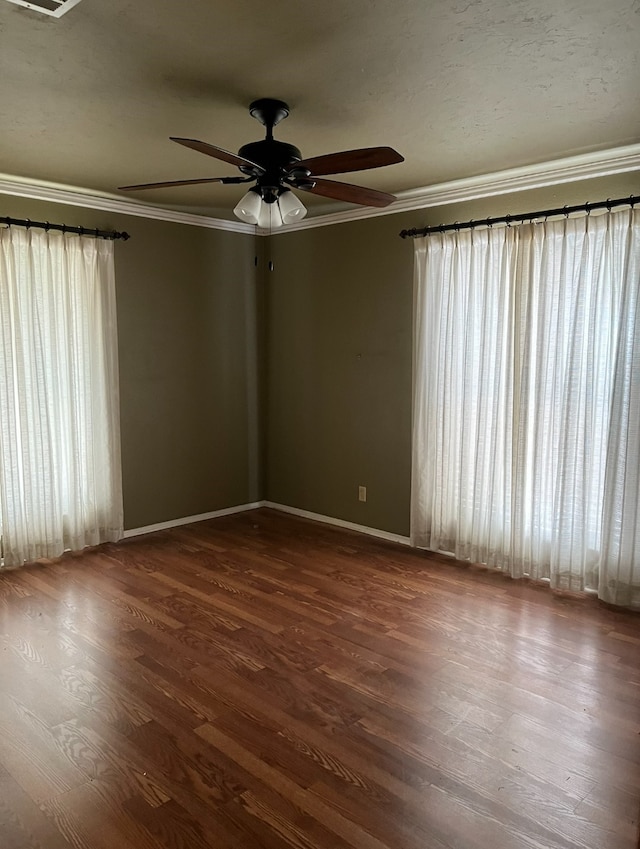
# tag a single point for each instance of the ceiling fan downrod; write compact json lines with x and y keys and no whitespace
{"x":275,"y":158}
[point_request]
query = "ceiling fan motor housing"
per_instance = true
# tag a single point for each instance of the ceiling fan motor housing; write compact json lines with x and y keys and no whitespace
{"x":276,"y":157}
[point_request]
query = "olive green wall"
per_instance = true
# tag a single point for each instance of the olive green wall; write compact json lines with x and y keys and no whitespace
{"x":187,"y":327}
{"x":339,"y":355}
{"x":238,"y":383}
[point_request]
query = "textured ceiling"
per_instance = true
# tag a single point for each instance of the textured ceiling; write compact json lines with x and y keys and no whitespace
{"x":459,"y":87}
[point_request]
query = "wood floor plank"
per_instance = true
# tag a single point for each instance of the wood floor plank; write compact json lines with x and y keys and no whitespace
{"x":29,"y":753}
{"x":260,"y":681}
{"x":88,"y":817}
{"x":22,"y":822}
{"x":288,"y":789}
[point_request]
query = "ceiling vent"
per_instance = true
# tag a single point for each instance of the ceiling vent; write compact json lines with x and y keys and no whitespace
{"x":55,"y":8}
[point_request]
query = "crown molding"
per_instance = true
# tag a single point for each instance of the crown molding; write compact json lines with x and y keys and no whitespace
{"x":74,"y":196}
{"x":603,"y":163}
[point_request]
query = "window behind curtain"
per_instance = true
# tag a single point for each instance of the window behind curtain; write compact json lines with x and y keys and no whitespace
{"x":60,"y":476}
{"x":527,"y":400}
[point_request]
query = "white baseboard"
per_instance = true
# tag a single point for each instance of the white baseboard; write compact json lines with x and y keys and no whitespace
{"x":189,"y":520}
{"x":329,"y":520}
{"x":284,"y":508}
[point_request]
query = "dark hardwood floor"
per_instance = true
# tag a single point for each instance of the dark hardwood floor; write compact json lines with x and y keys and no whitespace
{"x":264,"y":681}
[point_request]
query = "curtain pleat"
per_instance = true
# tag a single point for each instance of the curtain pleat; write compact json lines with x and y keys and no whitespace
{"x":526,"y":437}
{"x":60,"y":475}
{"x":620,"y":577}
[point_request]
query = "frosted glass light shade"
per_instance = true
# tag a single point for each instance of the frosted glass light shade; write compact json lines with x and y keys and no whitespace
{"x":249,"y":207}
{"x":253,"y":210}
{"x":291,"y":208}
{"x":269,"y":217}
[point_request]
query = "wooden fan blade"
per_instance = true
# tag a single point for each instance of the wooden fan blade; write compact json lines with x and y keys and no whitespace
{"x":350,"y":193}
{"x":169,"y":184}
{"x":351,"y":160}
{"x":218,"y":153}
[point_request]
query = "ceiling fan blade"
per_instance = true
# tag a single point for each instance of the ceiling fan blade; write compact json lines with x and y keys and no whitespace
{"x":218,"y":153}
{"x":170,"y":184}
{"x":351,"y":160}
{"x":350,"y":193}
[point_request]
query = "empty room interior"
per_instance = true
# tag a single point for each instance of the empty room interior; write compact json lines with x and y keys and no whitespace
{"x":319,"y":424}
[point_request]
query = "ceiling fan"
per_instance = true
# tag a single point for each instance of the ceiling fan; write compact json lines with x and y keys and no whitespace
{"x":276,"y":167}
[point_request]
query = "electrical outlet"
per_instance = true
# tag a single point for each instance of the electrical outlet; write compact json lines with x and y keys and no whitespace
{"x":362,"y":493}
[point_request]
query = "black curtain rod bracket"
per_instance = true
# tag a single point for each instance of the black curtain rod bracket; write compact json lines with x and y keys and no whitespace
{"x":64,"y":228}
{"x":416,"y":232}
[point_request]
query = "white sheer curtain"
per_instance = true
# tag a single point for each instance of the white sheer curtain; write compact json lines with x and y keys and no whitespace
{"x":60,"y":477}
{"x":526,"y":445}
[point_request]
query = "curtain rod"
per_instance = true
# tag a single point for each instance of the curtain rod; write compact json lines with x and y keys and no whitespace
{"x":524,"y":216}
{"x":81,"y":231}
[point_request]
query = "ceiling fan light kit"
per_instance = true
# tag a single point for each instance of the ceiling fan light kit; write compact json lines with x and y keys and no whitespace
{"x":276,"y":167}
{"x":264,"y":215}
{"x":274,"y":212}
